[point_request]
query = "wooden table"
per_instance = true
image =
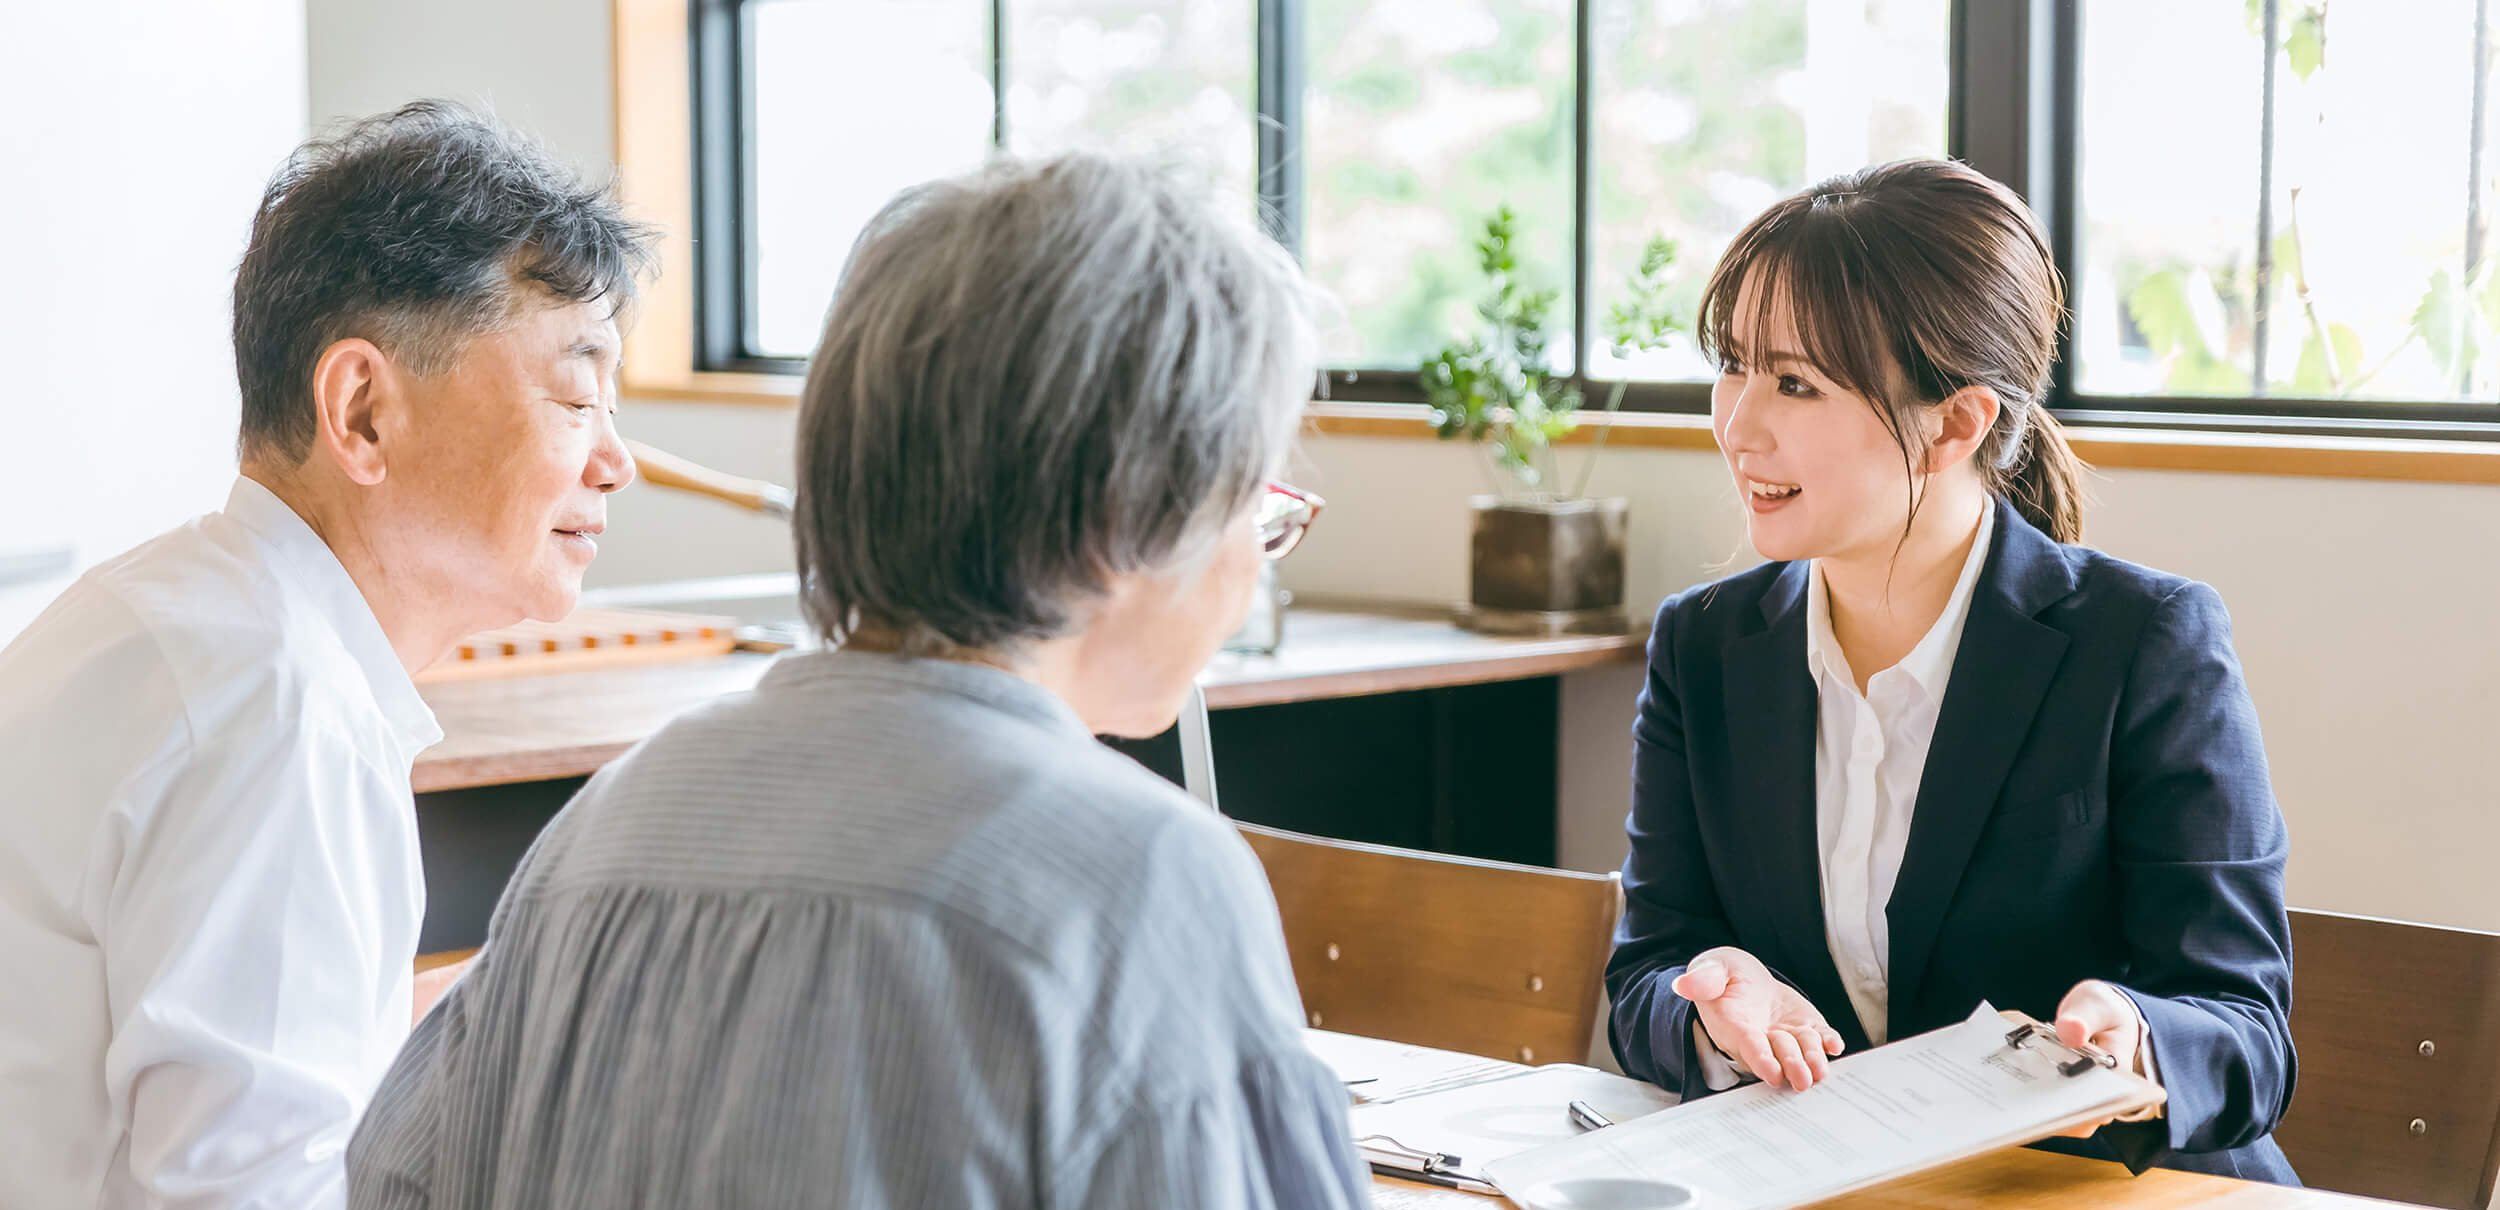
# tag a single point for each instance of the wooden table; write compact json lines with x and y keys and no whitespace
{"x":2034,"y":1180}
{"x":1364,"y":725}
{"x":535,"y":728}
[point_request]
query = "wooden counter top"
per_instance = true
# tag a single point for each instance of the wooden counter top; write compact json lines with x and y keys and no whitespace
{"x":535,"y":728}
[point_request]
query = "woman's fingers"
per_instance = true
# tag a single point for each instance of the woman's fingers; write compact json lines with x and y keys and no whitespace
{"x":1761,"y":1058}
{"x":2090,"y":1011}
{"x":1770,"y":1030}
{"x":2098,"y":1015}
{"x":1810,"y":1044}
{"x":1792,"y":1060}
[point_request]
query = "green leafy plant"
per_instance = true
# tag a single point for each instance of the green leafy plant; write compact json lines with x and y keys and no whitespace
{"x":1643,"y":321}
{"x":1495,"y":385}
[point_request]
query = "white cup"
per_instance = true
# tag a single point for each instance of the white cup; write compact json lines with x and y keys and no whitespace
{"x":1610,"y":1193}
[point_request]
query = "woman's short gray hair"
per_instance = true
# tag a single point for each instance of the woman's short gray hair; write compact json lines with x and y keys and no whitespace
{"x":1034,"y":377}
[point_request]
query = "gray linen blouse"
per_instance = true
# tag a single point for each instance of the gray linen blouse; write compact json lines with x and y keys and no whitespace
{"x":881,"y":933}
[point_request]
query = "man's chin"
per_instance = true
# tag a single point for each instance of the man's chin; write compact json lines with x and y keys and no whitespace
{"x":554,"y":597}
{"x":556,"y":606}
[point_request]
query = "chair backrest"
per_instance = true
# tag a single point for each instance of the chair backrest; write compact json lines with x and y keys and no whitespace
{"x":2398,"y":1027}
{"x":1506,"y":961}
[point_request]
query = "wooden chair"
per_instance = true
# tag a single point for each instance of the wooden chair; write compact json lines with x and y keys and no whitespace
{"x":1506,"y":961}
{"x":2398,"y":1027}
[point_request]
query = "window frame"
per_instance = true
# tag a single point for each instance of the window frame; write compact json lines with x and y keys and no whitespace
{"x":2012,"y":102}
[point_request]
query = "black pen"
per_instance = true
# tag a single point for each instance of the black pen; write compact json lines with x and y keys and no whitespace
{"x":1466,"y":1184}
{"x":1587,"y":1117}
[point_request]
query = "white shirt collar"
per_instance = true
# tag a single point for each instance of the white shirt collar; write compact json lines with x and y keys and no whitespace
{"x":1931,"y":662}
{"x":311,"y":569}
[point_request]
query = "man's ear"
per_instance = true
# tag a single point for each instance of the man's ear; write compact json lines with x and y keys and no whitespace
{"x":353,"y":385}
{"x":1963,"y":421}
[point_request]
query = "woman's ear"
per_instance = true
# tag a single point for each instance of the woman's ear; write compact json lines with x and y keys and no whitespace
{"x":1963,"y":421}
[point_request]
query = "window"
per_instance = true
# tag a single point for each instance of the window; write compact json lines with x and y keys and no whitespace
{"x":1409,"y":122}
{"x":1168,"y":77}
{"x":1706,"y":113}
{"x":1420,"y":117}
{"x":2279,"y":215}
{"x":2265,"y":226}
{"x":816,"y":177}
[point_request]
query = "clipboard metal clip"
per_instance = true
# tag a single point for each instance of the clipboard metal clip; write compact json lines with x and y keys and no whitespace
{"x":1430,"y":1163}
{"x":2085,"y":1057}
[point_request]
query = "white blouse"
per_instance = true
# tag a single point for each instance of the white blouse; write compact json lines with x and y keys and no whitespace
{"x":1870,"y":751}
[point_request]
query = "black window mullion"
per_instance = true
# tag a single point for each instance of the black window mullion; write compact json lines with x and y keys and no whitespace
{"x":1280,"y":74}
{"x":998,"y":74}
{"x":2009,"y":112}
{"x":722,"y":237}
{"x":1638,"y":396}
{"x":2474,"y":168}
{"x":1583,"y":63}
{"x":2261,"y":301}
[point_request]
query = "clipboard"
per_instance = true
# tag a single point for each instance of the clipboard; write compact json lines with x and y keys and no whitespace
{"x":1446,"y":1137}
{"x":1990,"y":1082}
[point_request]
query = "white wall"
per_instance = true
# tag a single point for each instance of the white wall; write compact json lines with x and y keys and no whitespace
{"x":2362,"y":608}
{"x":140,"y":134}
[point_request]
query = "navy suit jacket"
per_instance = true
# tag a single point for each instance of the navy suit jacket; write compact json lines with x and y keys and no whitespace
{"x":2095,"y":806}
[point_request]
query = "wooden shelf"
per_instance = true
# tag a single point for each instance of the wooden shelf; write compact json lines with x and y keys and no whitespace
{"x":497,"y":732}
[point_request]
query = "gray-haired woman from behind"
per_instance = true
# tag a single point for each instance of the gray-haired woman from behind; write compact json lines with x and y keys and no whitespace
{"x":892,"y":929}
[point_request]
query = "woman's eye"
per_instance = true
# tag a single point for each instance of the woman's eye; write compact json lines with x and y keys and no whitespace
{"x":1790,"y":384}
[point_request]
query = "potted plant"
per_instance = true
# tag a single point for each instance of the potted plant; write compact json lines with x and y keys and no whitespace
{"x":1542,"y":560}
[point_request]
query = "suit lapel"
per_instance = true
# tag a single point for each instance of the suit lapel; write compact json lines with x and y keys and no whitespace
{"x":2001,"y":673}
{"x":1770,"y":702}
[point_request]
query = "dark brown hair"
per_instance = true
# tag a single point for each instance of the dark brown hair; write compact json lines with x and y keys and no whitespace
{"x":1907,"y":282}
{"x":411,"y":229}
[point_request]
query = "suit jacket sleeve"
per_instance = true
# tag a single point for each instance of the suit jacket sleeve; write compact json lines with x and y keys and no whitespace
{"x":1671,"y":903}
{"x":2199,"y":848}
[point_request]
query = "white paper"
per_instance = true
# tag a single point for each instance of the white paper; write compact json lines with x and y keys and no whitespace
{"x":1379,"y":1071}
{"x":1483,"y":1122}
{"x":1893,"y":1110}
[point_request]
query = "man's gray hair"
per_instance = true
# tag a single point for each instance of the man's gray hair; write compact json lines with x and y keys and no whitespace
{"x":416,"y":229}
{"x":1034,"y":377}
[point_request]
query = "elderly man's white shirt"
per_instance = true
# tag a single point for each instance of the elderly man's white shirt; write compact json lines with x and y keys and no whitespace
{"x":209,"y":882}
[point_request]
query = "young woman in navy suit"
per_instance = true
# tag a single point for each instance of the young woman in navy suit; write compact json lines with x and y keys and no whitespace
{"x":1933,"y":753}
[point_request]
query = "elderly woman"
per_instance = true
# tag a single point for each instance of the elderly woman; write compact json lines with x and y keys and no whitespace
{"x":893,"y":930}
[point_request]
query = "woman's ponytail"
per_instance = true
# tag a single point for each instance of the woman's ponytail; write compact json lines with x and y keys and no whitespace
{"x":2045,"y":483}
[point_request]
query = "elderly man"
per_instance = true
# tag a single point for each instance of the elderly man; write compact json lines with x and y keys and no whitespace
{"x":209,"y":889}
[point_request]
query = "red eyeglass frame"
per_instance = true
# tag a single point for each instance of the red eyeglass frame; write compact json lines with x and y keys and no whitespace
{"x":1285,"y":516}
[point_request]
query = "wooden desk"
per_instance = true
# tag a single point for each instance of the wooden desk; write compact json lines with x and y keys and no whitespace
{"x":1369,"y":724}
{"x":537,"y":728}
{"x":2033,"y":1180}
